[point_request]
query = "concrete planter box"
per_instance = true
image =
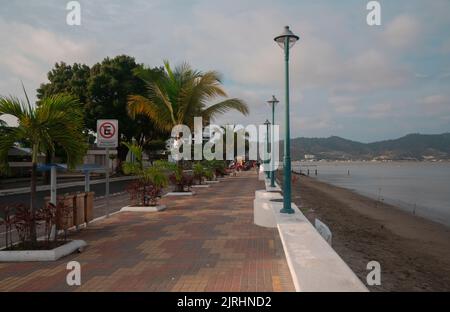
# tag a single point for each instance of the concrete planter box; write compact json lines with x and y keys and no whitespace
{"x":212,"y":182}
{"x":179,"y":194}
{"x":42,"y":255}
{"x":200,"y":186}
{"x":144,"y":209}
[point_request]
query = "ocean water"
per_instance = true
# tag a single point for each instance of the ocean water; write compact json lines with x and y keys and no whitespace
{"x":422,"y":188}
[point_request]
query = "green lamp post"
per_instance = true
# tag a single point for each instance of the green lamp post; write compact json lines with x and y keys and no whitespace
{"x":267,"y":161}
{"x":286,"y":41}
{"x":272,"y":102}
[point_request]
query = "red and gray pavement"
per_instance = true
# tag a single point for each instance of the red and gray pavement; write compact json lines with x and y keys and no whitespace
{"x":206,"y":242}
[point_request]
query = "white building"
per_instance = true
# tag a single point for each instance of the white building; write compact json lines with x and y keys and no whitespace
{"x":97,"y":156}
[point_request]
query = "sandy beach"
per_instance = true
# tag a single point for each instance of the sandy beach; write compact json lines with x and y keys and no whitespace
{"x":414,"y":253}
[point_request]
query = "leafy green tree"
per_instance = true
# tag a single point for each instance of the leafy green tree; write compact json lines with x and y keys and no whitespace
{"x":103,"y":90}
{"x":64,"y":79}
{"x":70,"y":79}
{"x":58,"y":120}
{"x":111,"y":83}
{"x":179,"y":95}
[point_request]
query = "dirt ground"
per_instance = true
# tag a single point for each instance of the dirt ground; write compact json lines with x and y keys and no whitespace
{"x":414,"y":253}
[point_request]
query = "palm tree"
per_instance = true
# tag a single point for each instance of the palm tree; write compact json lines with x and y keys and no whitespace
{"x":179,"y":95}
{"x":58,"y":120}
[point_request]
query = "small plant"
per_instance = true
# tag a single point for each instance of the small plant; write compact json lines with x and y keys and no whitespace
{"x":199,"y":172}
{"x":8,"y":221}
{"x":217,"y":166}
{"x":181,"y":181}
{"x":23,"y":222}
{"x":148,"y":188}
{"x":48,"y":214}
{"x":209,"y":174}
{"x":63,"y":217}
{"x":143,"y":193}
{"x":177,"y":177}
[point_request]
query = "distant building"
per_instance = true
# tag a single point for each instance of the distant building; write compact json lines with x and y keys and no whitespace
{"x":19,"y":160}
{"x":97,"y":156}
{"x":429,"y":158}
{"x":310,"y":157}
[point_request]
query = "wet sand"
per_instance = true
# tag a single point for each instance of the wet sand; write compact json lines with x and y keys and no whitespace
{"x":414,"y":253}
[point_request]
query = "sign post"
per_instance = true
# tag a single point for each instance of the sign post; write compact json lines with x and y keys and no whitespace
{"x":107,"y":137}
{"x":107,"y":182}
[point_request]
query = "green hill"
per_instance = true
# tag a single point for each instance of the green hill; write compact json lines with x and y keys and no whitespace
{"x":409,"y":147}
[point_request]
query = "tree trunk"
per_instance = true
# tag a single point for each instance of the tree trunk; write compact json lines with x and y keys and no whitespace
{"x":46,"y":175}
{"x":33,"y":234}
{"x":122,"y":152}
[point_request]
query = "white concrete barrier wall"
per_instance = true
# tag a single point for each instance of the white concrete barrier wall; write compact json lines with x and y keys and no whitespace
{"x":262,"y":211}
{"x":314,"y":265}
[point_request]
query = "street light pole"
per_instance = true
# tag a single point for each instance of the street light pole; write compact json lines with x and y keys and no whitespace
{"x":272,"y":103}
{"x":267,"y":160}
{"x":286,"y":40}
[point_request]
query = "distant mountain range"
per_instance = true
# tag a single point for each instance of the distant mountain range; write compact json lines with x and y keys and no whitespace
{"x":410,"y":147}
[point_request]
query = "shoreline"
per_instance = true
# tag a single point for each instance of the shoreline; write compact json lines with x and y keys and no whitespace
{"x":414,"y":253}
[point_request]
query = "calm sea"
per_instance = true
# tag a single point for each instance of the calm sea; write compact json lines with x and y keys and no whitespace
{"x":420,"y":188}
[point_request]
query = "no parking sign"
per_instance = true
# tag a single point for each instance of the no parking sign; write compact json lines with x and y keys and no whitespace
{"x":107,"y":133}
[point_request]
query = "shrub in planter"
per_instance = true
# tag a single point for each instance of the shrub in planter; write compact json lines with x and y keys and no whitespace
{"x":217,"y":166}
{"x":199,"y":172}
{"x":59,"y":216}
{"x":49,"y":215}
{"x":181,"y":181}
{"x":23,"y":223}
{"x":209,"y":174}
{"x":23,"y":220}
{"x":6,"y":219}
{"x":148,"y":188}
{"x":144,"y":193}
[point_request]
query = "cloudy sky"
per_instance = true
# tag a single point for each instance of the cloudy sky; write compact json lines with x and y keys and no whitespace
{"x":347,"y":78}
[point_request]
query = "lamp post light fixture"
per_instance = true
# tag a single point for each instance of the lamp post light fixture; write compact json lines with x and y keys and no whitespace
{"x":267,"y":160}
{"x":286,"y":41}
{"x":272,"y":102}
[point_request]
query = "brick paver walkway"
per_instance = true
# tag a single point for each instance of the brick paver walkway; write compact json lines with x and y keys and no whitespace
{"x":206,"y":242}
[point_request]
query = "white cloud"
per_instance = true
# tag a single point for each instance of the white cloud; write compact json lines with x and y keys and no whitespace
{"x":403,"y":31}
{"x":338,"y":57}
{"x":380,"y":110}
{"x":436,"y":104}
{"x":28,"y":53}
{"x":343,"y":103}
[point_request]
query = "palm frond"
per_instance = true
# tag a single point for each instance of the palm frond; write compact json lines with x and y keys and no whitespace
{"x":12,"y":106}
{"x":225,"y":106}
{"x":8,"y":138}
{"x":26,"y":97}
{"x":139,"y":105}
{"x":182,"y":94}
